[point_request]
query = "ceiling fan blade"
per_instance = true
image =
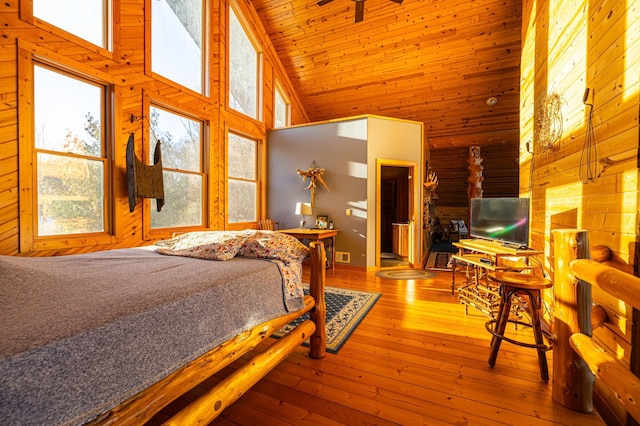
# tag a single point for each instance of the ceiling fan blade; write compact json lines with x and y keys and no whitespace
{"x":359,"y":10}
{"x":397,"y":1}
{"x":323,"y":2}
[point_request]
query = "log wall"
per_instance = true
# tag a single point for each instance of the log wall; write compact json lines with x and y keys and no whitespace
{"x":451,"y":165}
{"x":568,"y":47}
{"x":126,"y":68}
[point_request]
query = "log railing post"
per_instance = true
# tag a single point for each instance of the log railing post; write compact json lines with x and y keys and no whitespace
{"x":318,"y":340}
{"x":572,"y":379}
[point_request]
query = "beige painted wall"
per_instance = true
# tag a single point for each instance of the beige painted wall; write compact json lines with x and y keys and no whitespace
{"x":401,"y":140}
{"x":348,"y":150}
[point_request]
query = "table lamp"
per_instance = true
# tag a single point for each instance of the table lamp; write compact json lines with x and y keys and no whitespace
{"x":303,"y":209}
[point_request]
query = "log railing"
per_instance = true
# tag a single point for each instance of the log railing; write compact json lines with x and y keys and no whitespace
{"x":574,"y":347}
{"x":609,"y":369}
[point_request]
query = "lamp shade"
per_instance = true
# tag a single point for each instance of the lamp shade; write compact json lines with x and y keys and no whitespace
{"x":303,"y":208}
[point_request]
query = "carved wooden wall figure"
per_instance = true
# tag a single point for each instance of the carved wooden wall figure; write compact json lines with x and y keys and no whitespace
{"x":144,"y":181}
{"x":475,"y":173}
{"x":430,"y":185}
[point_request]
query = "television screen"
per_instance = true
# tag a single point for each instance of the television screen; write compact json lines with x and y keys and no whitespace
{"x":500,"y":219}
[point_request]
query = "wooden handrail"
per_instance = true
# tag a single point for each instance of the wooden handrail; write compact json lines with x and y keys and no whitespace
{"x":612,"y":371}
{"x":621,"y":285}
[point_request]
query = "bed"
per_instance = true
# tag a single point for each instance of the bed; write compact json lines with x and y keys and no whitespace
{"x":113,"y":337}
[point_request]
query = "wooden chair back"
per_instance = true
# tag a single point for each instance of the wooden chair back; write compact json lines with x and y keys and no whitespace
{"x":269,"y":225}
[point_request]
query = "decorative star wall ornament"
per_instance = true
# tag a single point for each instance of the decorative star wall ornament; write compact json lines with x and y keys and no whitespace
{"x":314,"y":174}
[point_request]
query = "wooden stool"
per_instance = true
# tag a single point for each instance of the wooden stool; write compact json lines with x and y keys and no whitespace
{"x":512,"y":284}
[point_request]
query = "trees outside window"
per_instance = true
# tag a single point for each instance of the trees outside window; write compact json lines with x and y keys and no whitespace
{"x":181,"y":140}
{"x":242,"y":179}
{"x":177,"y":42}
{"x":69,"y":153}
{"x":281,"y":109}
{"x":243,"y":69}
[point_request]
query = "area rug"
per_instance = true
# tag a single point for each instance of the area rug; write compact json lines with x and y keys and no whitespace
{"x":345,"y":309}
{"x":405,"y":274}
{"x":438,"y":261}
{"x":443,"y":246}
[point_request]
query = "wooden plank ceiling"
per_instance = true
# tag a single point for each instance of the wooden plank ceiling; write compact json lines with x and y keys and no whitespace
{"x":433,"y":61}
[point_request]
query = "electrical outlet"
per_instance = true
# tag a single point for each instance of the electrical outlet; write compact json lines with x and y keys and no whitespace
{"x":343,"y":257}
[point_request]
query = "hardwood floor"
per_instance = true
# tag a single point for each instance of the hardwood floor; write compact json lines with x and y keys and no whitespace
{"x":416,"y":359}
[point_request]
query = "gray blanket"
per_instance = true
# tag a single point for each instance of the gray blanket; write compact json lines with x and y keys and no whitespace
{"x":80,"y":334}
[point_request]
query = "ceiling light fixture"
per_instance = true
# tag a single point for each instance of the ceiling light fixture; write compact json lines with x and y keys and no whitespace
{"x":491,"y":101}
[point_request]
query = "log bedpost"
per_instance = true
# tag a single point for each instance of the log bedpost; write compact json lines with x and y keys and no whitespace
{"x":318,"y":340}
{"x":572,"y":379}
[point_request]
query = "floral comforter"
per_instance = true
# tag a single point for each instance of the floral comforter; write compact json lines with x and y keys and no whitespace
{"x":282,"y":249}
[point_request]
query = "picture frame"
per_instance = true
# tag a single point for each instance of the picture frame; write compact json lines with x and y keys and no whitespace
{"x":322,"y":221}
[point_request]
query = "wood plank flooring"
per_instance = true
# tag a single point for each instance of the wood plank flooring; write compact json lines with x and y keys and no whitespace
{"x":416,"y":359}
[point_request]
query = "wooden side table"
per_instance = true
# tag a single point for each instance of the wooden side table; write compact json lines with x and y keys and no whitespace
{"x":315,"y":235}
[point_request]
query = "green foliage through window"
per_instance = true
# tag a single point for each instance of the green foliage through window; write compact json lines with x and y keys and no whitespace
{"x":242,"y":188}
{"x":181,"y":144}
{"x":70,"y":159}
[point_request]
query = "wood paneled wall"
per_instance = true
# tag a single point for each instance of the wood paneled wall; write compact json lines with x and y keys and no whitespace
{"x":501,"y":170}
{"x":452,"y":169}
{"x":594,"y":46}
{"x":435,"y":62}
{"x":500,"y":174}
{"x":127,"y":70}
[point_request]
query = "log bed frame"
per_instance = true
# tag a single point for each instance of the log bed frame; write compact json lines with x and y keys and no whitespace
{"x":143,"y":406}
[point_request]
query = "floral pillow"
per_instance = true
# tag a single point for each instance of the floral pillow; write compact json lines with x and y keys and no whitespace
{"x":274,"y":245}
{"x":210,"y":245}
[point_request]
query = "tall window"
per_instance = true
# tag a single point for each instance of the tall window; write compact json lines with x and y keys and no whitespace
{"x":242,"y":184}
{"x":243,"y":70}
{"x":281,"y":109}
{"x":181,"y":144}
{"x":84,"y":18}
{"x":70,"y":153}
{"x":177,"y":42}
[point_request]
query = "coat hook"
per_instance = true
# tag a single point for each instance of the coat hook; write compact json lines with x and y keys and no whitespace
{"x":585,"y":97}
{"x":135,"y":118}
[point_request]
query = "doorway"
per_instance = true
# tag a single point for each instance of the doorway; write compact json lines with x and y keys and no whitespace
{"x":395,"y":238}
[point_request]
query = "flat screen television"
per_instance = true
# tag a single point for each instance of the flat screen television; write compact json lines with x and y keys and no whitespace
{"x":500,"y":219}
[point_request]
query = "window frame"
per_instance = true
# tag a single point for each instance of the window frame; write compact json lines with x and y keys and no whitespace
{"x":28,"y":56}
{"x":240,"y":15}
{"x":148,"y":205}
{"x":260,"y":180}
{"x":112,"y":29}
{"x":278,"y":90}
{"x":206,"y":48}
